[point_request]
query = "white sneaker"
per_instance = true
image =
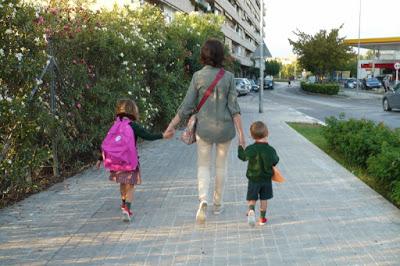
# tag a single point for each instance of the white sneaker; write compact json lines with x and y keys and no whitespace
{"x":251,"y":218}
{"x":201,"y":212}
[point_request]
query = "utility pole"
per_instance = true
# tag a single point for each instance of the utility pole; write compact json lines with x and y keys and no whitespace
{"x":358,"y":53}
{"x":262,"y":60}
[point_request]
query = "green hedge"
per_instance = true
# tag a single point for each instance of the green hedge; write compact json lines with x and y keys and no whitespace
{"x":368,"y":145}
{"x":329,"y":89}
{"x":101,"y":56}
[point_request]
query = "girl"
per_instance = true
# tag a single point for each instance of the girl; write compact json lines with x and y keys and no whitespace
{"x":127,"y":109}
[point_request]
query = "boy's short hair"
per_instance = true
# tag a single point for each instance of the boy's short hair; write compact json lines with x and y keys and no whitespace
{"x":258,"y":130}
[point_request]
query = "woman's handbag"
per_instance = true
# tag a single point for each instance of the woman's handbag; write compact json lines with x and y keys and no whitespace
{"x":277,"y":177}
{"x":189,"y":133}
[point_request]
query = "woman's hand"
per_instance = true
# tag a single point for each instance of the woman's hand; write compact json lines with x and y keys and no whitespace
{"x":169,"y":133}
{"x":242,"y":140}
{"x":237,"y":120}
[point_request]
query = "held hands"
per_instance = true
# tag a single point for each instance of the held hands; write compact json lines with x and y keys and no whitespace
{"x":169,"y":133}
{"x":98,"y":164}
{"x":242,"y":141}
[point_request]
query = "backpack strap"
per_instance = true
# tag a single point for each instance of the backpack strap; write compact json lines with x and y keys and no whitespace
{"x":208,"y":92}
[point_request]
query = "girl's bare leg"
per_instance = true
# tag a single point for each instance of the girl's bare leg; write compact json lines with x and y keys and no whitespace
{"x":129,"y":195}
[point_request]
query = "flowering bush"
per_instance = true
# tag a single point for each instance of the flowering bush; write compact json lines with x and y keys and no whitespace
{"x":101,"y":56}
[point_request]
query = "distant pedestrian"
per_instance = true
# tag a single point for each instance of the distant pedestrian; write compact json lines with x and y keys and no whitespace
{"x":386,"y":84}
{"x":261,"y":158}
{"x":119,"y":152}
{"x":216,"y":122}
{"x":289,"y":83}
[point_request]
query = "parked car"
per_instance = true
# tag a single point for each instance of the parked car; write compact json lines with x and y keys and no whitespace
{"x":268,"y":84}
{"x":350,"y":83}
{"x":370,"y":83}
{"x":391,"y":99}
{"x":254,"y":86}
{"x":242,"y":86}
{"x":248,"y":83}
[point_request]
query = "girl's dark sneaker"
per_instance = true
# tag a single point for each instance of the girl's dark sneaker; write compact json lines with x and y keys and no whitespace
{"x":263,"y":221}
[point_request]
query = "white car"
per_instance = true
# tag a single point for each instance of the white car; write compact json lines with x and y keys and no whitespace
{"x":243,"y":86}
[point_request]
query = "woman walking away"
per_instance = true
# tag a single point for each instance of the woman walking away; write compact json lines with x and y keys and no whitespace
{"x":120,"y":154}
{"x":216,"y":122}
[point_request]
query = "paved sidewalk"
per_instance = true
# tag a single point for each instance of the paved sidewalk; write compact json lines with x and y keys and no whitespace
{"x":323,"y":215}
{"x":361,"y":94}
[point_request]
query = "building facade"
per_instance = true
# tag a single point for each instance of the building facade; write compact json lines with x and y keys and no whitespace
{"x":241,"y":27}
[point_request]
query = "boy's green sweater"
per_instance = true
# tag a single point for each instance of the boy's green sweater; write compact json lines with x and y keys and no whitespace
{"x":261,"y":157}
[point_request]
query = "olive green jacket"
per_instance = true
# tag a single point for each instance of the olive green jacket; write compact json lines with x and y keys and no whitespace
{"x":215,"y":118}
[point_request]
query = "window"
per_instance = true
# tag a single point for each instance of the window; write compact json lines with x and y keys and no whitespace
{"x":397,"y":88}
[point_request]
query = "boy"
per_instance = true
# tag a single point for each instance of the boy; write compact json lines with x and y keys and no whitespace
{"x":261,"y":157}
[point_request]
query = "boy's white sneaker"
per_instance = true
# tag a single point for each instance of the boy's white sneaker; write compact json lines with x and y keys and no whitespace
{"x":251,"y":218}
{"x":201,"y":212}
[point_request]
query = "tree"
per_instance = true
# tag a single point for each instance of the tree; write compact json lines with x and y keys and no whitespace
{"x":290,"y":69}
{"x":322,"y":53}
{"x":272,"y":67}
{"x":351,"y":65}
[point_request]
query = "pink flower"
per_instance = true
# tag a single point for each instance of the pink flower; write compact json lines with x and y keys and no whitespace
{"x":53,"y":11}
{"x":78,"y":105}
{"x":87,"y":86}
{"x":40,"y":20}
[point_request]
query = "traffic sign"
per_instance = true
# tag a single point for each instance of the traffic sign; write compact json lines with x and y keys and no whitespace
{"x":397,"y":65}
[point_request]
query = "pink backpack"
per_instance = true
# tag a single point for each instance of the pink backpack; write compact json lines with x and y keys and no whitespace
{"x":119,"y":147}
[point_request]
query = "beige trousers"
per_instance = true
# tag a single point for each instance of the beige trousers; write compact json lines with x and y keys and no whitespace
{"x":204,"y":150}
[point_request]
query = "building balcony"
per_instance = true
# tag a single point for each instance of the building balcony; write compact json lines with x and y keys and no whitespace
{"x":228,"y":8}
{"x":234,"y":36}
{"x":245,"y":61}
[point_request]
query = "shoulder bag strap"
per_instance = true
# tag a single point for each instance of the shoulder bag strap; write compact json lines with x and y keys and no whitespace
{"x":208,"y":92}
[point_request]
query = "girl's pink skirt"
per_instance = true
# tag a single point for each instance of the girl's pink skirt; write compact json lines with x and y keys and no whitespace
{"x":126,"y":177}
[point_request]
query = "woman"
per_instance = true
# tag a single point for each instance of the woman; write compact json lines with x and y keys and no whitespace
{"x":216,"y":123}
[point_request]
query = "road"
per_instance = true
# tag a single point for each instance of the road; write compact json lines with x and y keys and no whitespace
{"x":320,"y":107}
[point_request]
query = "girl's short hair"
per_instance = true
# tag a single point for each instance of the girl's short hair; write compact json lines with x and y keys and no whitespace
{"x":127,"y":108}
{"x":212,"y":53}
{"x":258,"y":130}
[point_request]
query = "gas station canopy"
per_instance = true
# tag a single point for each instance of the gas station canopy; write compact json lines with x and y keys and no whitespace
{"x":382,"y":44}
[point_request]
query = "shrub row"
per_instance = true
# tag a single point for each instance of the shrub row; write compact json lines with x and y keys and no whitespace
{"x":329,"y":89}
{"x":101,"y":56}
{"x":368,"y":145}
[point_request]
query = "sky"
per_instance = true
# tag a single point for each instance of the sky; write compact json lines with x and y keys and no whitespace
{"x":379,"y":18}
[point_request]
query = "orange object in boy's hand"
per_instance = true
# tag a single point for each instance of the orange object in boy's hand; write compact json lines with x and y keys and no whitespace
{"x":277,"y":177}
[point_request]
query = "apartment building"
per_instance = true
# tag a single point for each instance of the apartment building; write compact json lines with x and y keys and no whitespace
{"x":241,"y":27}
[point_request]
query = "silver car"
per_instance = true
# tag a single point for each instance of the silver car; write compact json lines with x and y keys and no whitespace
{"x":242,"y":85}
{"x":391,"y":99}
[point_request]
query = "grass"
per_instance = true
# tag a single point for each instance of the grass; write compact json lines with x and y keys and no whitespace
{"x":314,"y":133}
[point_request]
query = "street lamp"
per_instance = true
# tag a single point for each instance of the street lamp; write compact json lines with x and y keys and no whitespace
{"x":358,"y":53}
{"x":262,"y":60}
